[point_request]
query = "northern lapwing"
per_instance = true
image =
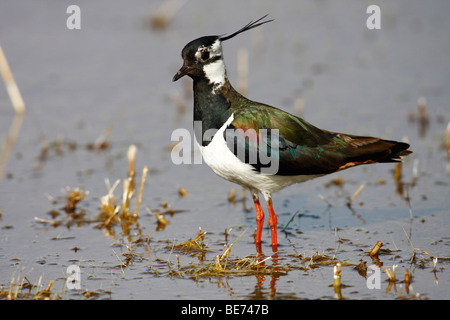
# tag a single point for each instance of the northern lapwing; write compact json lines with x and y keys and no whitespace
{"x":260,"y":147}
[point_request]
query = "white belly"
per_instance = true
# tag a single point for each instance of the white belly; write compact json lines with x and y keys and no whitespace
{"x":225,"y":164}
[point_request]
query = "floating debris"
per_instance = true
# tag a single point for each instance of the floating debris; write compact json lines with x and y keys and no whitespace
{"x":73,"y":214}
{"x":161,"y":220}
{"x":391,"y":275}
{"x":358,"y":191}
{"x":362,"y":268}
{"x":161,"y":213}
{"x":73,"y":197}
{"x":182,"y":191}
{"x":337,"y":280}
{"x":435,"y":260}
{"x":317,"y":259}
{"x":375,"y":249}
{"x":407,"y":278}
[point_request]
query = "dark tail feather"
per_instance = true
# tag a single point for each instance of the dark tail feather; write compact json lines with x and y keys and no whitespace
{"x":397,"y":151}
{"x":376,"y":150}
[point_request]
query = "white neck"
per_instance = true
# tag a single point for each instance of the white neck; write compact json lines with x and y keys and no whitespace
{"x":216,"y":73}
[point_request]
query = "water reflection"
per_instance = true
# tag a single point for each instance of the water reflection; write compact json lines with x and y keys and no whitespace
{"x":10,"y":141}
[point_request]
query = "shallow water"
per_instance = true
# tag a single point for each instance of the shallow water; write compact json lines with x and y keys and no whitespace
{"x":116,"y":72}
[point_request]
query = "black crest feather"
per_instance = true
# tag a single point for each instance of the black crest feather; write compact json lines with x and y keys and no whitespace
{"x":250,"y":25}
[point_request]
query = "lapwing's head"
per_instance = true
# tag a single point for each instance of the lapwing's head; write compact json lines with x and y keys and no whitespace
{"x":203,"y":57}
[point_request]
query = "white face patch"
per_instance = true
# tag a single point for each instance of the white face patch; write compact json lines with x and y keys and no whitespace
{"x":214,"y":50}
{"x":215,"y":71}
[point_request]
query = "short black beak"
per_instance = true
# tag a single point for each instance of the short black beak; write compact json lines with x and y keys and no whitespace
{"x":182,"y":72}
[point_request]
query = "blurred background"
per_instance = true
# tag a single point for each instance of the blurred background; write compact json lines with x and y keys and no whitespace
{"x":91,"y":93}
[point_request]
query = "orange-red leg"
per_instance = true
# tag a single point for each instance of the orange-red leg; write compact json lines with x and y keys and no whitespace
{"x":259,"y":219}
{"x":273,"y":225}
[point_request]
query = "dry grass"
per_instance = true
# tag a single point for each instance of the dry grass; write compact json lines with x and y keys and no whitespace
{"x":112,"y":211}
{"x":11,"y":85}
{"x":198,"y":260}
{"x":70,"y":213}
{"x":192,"y":246}
{"x":20,"y":288}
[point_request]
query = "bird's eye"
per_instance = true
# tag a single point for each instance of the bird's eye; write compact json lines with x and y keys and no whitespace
{"x":205,"y":55}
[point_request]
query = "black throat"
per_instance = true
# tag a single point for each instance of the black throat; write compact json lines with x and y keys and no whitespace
{"x":211,"y":110}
